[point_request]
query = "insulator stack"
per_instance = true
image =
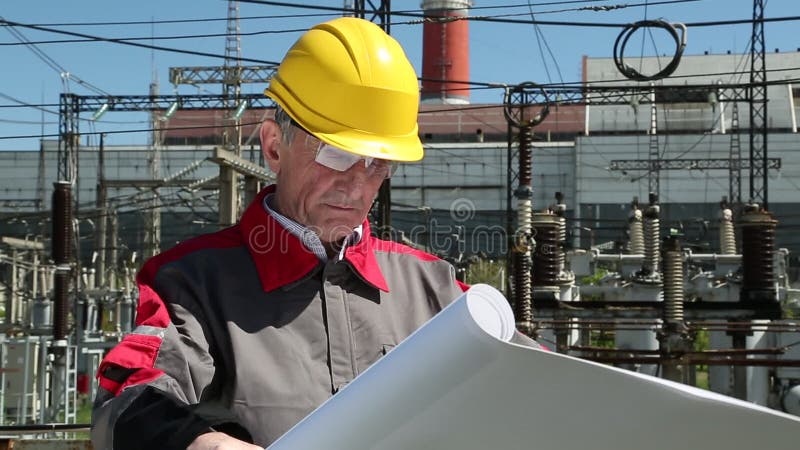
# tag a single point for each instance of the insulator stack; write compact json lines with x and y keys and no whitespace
{"x":62,"y":255}
{"x":62,"y":222}
{"x":522,"y":285}
{"x":522,"y":263}
{"x":673,"y":281}
{"x":525,"y":216}
{"x":548,"y":259}
{"x":727,"y":234}
{"x":635,"y":229}
{"x":524,"y":236}
{"x":758,"y":253}
{"x":652,"y":239}
{"x":525,"y":156}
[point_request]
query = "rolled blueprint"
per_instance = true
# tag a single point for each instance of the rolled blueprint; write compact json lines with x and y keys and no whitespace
{"x":458,"y":383}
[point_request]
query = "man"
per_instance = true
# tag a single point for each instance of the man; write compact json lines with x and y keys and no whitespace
{"x":242,"y":333}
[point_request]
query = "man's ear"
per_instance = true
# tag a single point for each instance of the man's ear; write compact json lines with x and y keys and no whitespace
{"x":270,"y":135}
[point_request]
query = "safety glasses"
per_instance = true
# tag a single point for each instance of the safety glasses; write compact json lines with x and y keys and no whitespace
{"x":341,"y":160}
{"x":338,"y":159}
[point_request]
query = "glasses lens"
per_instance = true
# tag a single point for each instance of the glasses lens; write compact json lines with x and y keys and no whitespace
{"x":340,"y":160}
{"x":333,"y":158}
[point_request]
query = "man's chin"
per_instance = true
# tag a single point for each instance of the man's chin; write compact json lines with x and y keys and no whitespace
{"x":336,"y":233}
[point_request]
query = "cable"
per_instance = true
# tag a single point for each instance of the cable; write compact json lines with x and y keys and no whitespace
{"x":522,"y":22}
{"x":132,"y":44}
{"x":622,"y":40}
{"x":539,"y":39}
{"x":41,"y":108}
{"x":175,"y":21}
{"x":288,"y":16}
{"x":20,"y":102}
{"x":495,"y":85}
{"x":64,"y":73}
{"x":159,"y":38}
{"x":142,"y":130}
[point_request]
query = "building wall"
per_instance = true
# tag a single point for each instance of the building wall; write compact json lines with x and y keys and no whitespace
{"x":698,"y":115}
{"x":459,"y":189}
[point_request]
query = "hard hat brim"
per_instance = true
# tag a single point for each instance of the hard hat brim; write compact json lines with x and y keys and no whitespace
{"x":403,"y":148}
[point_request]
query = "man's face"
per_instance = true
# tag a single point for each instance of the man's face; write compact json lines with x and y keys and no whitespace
{"x":329,"y":202}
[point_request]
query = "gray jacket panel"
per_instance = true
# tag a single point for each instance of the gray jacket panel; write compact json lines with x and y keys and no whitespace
{"x":267,"y":356}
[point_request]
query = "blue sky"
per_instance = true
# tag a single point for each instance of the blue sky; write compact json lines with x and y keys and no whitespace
{"x":500,"y":53}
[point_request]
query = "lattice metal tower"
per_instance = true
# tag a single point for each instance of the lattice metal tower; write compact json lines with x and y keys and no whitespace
{"x":758,"y":109}
{"x":231,"y":136}
{"x":379,"y":13}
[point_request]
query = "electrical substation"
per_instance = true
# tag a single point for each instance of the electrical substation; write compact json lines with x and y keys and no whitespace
{"x":640,"y":220}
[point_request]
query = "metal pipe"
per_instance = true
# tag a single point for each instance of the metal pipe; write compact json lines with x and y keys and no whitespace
{"x":690,"y":257}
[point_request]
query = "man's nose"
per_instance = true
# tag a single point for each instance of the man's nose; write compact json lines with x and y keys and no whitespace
{"x":359,"y":171}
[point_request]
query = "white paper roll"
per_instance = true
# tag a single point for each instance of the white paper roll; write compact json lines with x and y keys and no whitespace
{"x":425,"y":366}
{"x":457,"y":383}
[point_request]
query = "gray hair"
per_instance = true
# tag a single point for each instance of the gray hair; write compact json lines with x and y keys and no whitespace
{"x":284,"y":122}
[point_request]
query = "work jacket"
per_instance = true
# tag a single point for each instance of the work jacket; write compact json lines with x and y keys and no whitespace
{"x":246,"y":331}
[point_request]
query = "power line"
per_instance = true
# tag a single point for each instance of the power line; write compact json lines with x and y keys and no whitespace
{"x":175,"y":21}
{"x":540,"y":39}
{"x":292,"y":16}
{"x":488,"y":85}
{"x":156,"y":38}
{"x":521,"y":22}
{"x":132,"y":44}
{"x":42,"y":107}
{"x":142,"y":130}
{"x":50,"y":62}
{"x":38,"y":136}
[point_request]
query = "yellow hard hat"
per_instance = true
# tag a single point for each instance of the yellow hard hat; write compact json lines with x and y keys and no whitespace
{"x":351,"y":85}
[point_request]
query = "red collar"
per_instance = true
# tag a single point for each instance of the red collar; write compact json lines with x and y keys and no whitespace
{"x":281,"y":258}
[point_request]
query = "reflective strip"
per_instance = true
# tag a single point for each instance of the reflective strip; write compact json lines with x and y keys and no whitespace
{"x":148,"y":330}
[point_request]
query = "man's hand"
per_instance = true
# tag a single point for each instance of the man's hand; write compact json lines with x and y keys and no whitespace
{"x":220,"y":441}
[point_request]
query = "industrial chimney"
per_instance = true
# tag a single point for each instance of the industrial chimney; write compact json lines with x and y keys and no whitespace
{"x":445,"y":53}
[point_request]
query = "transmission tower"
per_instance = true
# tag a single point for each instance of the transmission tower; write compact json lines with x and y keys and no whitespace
{"x":379,"y":12}
{"x":758,"y":109}
{"x":231,"y":135}
{"x":231,"y":75}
